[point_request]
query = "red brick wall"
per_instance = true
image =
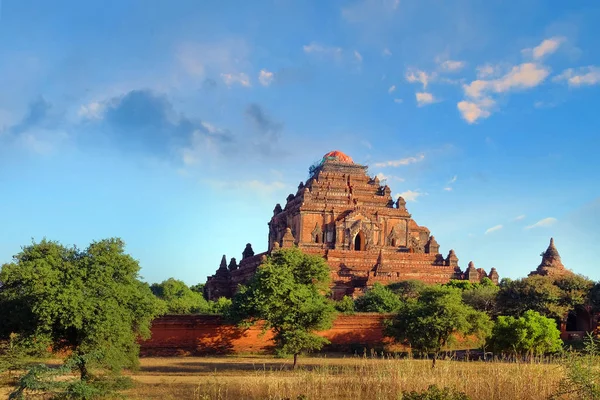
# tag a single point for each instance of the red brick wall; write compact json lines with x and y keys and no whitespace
{"x":208,"y":334}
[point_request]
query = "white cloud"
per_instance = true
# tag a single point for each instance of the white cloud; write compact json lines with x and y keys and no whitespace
{"x":94,"y":110}
{"x":488,"y":71}
{"x":448,"y":189}
{"x":386,"y":52}
{"x":265,"y":77}
{"x":398,"y":101}
{"x":392,"y":89}
{"x":543,"y":223}
{"x":547,"y":47}
{"x":452,"y":65}
{"x":454,"y":178}
{"x":358,"y":56}
{"x":411,"y":195}
{"x":472,"y":111}
{"x":416,"y":75}
{"x":402,"y":161}
{"x":520,"y":217}
{"x":493,"y":229}
{"x":424,"y":98}
{"x":479,"y":103}
{"x":315,"y":48}
{"x":583,"y":76}
{"x":381,"y":176}
{"x":231,"y":79}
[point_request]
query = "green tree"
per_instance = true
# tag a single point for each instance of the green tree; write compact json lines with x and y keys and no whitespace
{"x":90,"y":303}
{"x":378,"y":299}
{"x":198,"y":288}
{"x":409,"y":289}
{"x":345,"y":305}
{"x":432,"y":322}
{"x":531,"y":334}
{"x":288,"y":294}
{"x":482,"y":298}
{"x":536,"y":293}
{"x":178,"y":298}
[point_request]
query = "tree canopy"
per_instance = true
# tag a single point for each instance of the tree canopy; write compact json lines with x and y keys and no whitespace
{"x":430,"y":323}
{"x":90,"y":302}
{"x":288,"y":294}
{"x":378,"y":299}
{"x":178,"y":298}
{"x":530,"y":334}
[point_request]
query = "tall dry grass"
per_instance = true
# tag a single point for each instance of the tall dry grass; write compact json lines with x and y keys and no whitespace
{"x":332,"y":379}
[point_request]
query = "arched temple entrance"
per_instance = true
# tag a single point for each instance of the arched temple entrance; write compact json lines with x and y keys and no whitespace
{"x":579,"y":320}
{"x":359,"y":241}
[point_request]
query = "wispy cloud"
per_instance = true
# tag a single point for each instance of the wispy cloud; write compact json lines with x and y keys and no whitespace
{"x":386,"y":52}
{"x":398,"y":101}
{"x":265,"y":77}
{"x":454,"y":178}
{"x":543,"y":223}
{"x":520,"y":217}
{"x":493,"y":229}
{"x":239,"y":78}
{"x":547,"y":47}
{"x":419,"y":76}
{"x":452,"y":65}
{"x":425,"y":98}
{"x":400,"y":162}
{"x":392,"y":89}
{"x":448,"y":189}
{"x":319,"y":49}
{"x":479,"y":103}
{"x":357,"y":56}
{"x":411,"y":195}
{"x":583,"y":76}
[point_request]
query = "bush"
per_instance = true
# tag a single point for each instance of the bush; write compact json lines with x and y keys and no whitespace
{"x":345,"y":305}
{"x":530,"y":334}
{"x":435,"y":393}
{"x":582,"y":376}
{"x":378,"y":299}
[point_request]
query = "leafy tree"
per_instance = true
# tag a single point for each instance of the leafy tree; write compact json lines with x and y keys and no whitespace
{"x":345,"y":305}
{"x":178,"y":298}
{"x":288,"y":294}
{"x":198,"y":288}
{"x":530,"y":334}
{"x":90,"y":303}
{"x":409,"y":289}
{"x":482,"y":298}
{"x":431,"y":322}
{"x":552,"y":297}
{"x":220,"y":306}
{"x":537,"y":293}
{"x":378,"y":299}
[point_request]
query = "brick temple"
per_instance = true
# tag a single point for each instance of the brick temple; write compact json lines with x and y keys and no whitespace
{"x":351,"y":220}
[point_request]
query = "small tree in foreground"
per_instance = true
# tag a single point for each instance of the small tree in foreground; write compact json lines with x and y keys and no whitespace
{"x":431,"y":322}
{"x":582,"y":376}
{"x":90,"y":303}
{"x":288,"y":294}
{"x":531,"y":334}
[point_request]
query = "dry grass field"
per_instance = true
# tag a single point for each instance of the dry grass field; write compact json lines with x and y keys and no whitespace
{"x":330,"y":378}
{"x":336,"y":378}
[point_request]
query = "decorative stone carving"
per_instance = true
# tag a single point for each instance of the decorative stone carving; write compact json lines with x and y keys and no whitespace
{"x":232,"y":264}
{"x":277,"y":209}
{"x":432,"y":246}
{"x":317,"y":234}
{"x":415,"y":245}
{"x":288,"y":239}
{"x":401,"y":203}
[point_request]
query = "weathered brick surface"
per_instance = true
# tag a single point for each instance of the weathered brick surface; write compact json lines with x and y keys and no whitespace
{"x":209,"y":334}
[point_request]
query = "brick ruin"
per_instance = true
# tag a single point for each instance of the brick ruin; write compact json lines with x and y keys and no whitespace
{"x":351,"y":220}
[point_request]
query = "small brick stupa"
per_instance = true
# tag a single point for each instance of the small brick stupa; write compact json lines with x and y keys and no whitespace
{"x":551,"y":264}
{"x":350,"y":219}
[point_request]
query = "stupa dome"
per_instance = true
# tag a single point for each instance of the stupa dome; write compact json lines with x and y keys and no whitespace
{"x":338,"y":156}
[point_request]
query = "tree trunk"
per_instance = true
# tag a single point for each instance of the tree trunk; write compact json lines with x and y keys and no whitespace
{"x":434,"y":360}
{"x":295,"y":360}
{"x":83,"y":371}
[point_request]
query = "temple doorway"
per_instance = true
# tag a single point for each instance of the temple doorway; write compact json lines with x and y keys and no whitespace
{"x":578,"y":320}
{"x":359,"y":241}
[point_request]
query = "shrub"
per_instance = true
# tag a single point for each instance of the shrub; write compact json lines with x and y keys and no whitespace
{"x":345,"y":305}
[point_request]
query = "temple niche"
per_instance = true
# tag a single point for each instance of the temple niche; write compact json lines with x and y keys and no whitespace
{"x":350,"y":219}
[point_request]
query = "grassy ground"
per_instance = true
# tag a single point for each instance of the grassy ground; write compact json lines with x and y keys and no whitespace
{"x":333,"y":378}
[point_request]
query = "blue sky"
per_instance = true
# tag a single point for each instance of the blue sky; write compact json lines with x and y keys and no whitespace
{"x":178,"y":125}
